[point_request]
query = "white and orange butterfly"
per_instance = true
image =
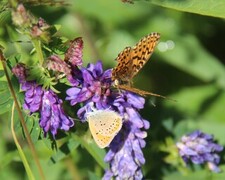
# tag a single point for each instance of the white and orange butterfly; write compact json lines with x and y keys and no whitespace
{"x":104,"y":126}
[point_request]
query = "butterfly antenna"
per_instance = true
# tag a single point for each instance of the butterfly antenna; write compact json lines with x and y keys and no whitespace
{"x":143,"y":93}
{"x":161,"y":96}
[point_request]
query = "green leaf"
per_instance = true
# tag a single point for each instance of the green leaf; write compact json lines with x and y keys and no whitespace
{"x":5,"y":98}
{"x":32,"y":123}
{"x":3,"y":85}
{"x":4,"y":17}
{"x":97,"y":153}
{"x":203,"y":7}
{"x":8,"y":158}
{"x":2,"y":73}
{"x":191,"y":101}
{"x":188,"y":55}
{"x":92,"y":176}
{"x":63,"y":151}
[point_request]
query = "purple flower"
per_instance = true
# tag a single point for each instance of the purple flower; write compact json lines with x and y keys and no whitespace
{"x":46,"y":102}
{"x":200,"y":148}
{"x":94,"y":88}
{"x":52,"y":114}
{"x":125,"y":155}
{"x":33,"y":96}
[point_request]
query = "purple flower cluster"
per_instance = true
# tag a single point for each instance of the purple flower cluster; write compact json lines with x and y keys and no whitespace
{"x":125,"y":152}
{"x":95,"y":91}
{"x":200,"y":148}
{"x":52,"y":114}
{"x":94,"y":88}
{"x":44,"y":101}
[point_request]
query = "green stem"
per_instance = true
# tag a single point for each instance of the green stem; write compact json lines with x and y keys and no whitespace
{"x":22,"y":156}
{"x":37,"y":46}
{"x":28,"y":138}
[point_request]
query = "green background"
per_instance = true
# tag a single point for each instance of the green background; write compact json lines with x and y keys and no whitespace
{"x":187,"y":65}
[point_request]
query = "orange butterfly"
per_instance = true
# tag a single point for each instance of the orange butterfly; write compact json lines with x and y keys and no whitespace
{"x":131,"y":60}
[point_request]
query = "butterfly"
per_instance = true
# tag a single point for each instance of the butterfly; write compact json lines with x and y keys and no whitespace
{"x":131,"y":60}
{"x":104,"y":126}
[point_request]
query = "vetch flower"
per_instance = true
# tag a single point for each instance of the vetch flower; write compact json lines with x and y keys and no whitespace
{"x":55,"y":63}
{"x":74,"y":52}
{"x":33,"y":96}
{"x":125,"y":155}
{"x":46,"y":102}
{"x":52,"y":114}
{"x":94,"y":87}
{"x":200,"y":148}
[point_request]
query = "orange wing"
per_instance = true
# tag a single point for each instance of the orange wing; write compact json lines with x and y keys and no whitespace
{"x":121,"y":71}
{"x":142,"y":52}
{"x":131,"y":60}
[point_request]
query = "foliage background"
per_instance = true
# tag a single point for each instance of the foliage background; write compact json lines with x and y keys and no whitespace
{"x":187,"y":65}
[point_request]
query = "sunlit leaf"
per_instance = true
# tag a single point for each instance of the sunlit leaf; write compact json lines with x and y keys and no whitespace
{"x":203,"y":7}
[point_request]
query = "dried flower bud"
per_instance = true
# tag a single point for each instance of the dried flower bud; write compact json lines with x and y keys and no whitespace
{"x":42,"y":24}
{"x":74,"y":53}
{"x":36,"y":31}
{"x":21,"y":17}
{"x":56,"y":64}
{"x":20,"y":71}
{"x":40,"y":29}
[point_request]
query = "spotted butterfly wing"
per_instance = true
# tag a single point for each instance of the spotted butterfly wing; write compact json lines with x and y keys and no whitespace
{"x":131,"y":60}
{"x":121,"y":71}
{"x":104,"y":125}
{"x":142,"y":52}
{"x":101,"y":140}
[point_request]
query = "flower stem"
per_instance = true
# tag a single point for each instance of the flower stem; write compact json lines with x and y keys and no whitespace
{"x":37,"y":46}
{"x":22,"y":155}
{"x":28,"y":138}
